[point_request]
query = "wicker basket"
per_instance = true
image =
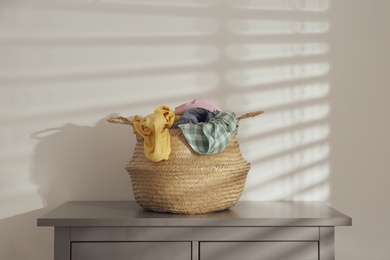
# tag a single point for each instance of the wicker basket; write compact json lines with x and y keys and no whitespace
{"x":187,"y":183}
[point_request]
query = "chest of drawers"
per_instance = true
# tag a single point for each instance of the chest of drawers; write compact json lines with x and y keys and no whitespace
{"x":97,"y":230}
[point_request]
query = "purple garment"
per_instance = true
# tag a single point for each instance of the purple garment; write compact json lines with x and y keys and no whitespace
{"x":198,"y":102}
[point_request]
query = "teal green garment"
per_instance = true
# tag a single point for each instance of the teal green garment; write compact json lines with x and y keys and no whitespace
{"x":213,"y":136}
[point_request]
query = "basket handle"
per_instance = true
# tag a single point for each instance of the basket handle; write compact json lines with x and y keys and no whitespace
{"x":124,"y":121}
{"x":119,"y":120}
{"x":251,"y":114}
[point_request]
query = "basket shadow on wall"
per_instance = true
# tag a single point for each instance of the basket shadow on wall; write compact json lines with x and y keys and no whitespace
{"x":79,"y":162}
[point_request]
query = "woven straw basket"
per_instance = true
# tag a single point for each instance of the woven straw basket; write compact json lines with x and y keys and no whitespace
{"x":187,"y":183}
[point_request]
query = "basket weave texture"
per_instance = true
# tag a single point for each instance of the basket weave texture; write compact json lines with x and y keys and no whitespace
{"x":187,"y":183}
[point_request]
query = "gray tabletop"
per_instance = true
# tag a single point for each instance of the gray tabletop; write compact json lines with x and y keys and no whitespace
{"x":244,"y":213}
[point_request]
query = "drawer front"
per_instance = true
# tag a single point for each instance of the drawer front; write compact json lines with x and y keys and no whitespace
{"x":131,"y":250}
{"x":258,"y":250}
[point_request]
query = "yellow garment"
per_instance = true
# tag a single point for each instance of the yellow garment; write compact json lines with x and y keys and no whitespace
{"x":154,"y":129}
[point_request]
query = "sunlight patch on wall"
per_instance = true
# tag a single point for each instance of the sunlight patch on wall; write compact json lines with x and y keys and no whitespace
{"x":292,"y":170}
{"x":310,"y":183}
{"x":97,"y":95}
{"x":253,"y":52}
{"x":282,"y":5}
{"x":253,"y":77}
{"x":276,"y":97}
{"x":300,"y":185}
{"x":287,"y":141}
{"x":47,"y":62}
{"x":276,"y":67}
{"x":172,"y":3}
{"x":49,"y":19}
{"x":286,"y":119}
{"x":286,"y":163}
{"x":272,"y":27}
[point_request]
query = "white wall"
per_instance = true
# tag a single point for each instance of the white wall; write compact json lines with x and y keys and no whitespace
{"x":318,"y":68}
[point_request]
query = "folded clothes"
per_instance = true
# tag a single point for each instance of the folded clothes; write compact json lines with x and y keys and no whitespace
{"x":154,"y":129}
{"x":213,"y":136}
{"x":194,"y":116}
{"x":196,"y":103}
